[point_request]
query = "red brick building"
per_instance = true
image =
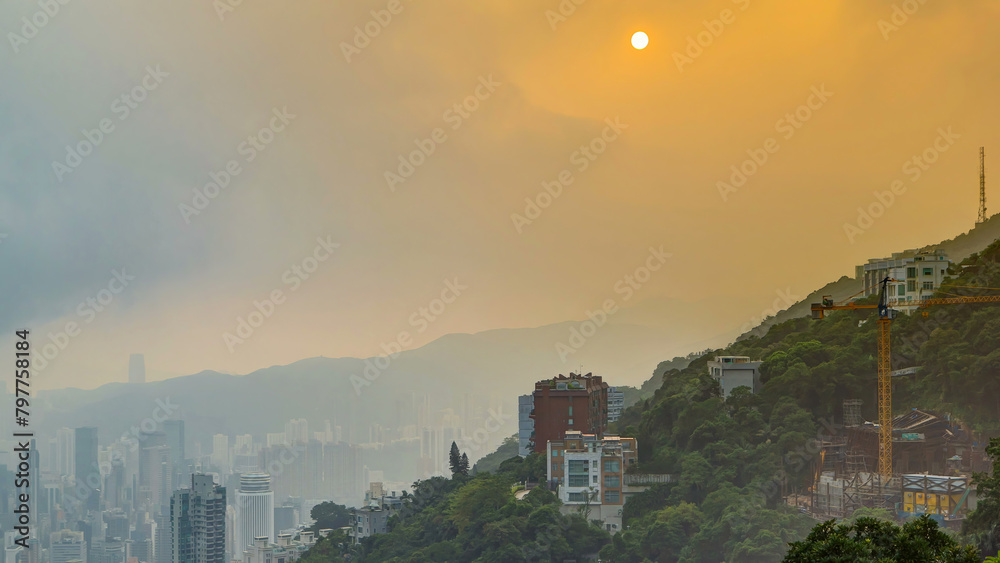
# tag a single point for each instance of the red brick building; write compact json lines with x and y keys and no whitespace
{"x":563,"y":403}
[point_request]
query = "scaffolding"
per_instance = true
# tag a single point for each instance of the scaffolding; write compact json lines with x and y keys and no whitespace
{"x":852,"y":413}
{"x":870,"y":490}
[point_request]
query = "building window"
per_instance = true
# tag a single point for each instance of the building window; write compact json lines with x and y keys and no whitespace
{"x":577,"y":497}
{"x":577,"y":473}
{"x":928,"y":285}
{"x":612,"y":466}
{"x":612,"y":497}
{"x":911,"y":285}
{"x":571,"y":422}
{"x":571,"y":410}
{"x":901,"y":290}
{"x":928,"y":271}
{"x":911,"y":272}
{"x":612,"y":481}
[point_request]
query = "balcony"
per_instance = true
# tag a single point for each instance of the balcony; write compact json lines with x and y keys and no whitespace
{"x":639,"y":479}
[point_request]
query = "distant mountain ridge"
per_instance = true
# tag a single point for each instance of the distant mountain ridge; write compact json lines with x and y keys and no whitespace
{"x":502,"y":362}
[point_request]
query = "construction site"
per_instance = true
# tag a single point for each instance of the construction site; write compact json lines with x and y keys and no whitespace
{"x":933,"y":461}
{"x":910,"y":464}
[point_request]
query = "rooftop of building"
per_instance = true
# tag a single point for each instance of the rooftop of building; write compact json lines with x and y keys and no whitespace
{"x":733,"y":359}
{"x":588,"y":441}
{"x":910,"y":255}
{"x":572,"y":382}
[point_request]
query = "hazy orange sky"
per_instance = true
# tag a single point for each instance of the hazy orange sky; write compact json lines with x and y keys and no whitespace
{"x":547,"y":86}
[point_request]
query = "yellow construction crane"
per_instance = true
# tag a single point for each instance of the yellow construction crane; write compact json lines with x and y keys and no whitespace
{"x":886,"y":314}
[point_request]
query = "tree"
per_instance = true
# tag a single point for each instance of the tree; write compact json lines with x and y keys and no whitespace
{"x":982,"y":526}
{"x":329,"y":516}
{"x":869,"y":540}
{"x":455,"y":460}
{"x":463,"y":465}
{"x":477,"y":502}
{"x":590,"y":497}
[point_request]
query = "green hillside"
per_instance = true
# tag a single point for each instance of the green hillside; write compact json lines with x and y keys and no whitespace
{"x":733,"y":459}
{"x":957,"y":249}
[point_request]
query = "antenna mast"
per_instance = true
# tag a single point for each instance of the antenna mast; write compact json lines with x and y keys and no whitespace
{"x":982,"y":185}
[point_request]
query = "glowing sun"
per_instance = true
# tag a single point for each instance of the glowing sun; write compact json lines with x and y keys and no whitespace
{"x":640,"y":40}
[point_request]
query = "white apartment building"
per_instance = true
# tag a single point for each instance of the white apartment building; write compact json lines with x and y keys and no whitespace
{"x":373,"y":517}
{"x":917,"y":276}
{"x":616,"y":403}
{"x":285,"y":550}
{"x":589,"y":473}
{"x":735,"y":371}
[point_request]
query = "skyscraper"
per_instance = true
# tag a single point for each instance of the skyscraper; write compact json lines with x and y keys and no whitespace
{"x":174,"y":429}
{"x":136,"y":368}
{"x":64,"y":451}
{"x":220,"y":452}
{"x":155,"y":474}
{"x":85,"y":468}
{"x":254,"y":511}
{"x":66,"y":546}
{"x":198,"y":522}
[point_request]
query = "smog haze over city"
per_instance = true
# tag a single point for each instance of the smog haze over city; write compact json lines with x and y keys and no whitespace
{"x":289,"y":261}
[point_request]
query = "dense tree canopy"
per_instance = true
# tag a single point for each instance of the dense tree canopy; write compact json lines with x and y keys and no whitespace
{"x":869,"y":540}
{"x":983,"y":526}
{"x":330,"y":516}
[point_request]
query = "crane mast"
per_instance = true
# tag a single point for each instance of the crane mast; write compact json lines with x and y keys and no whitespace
{"x":886,"y":314}
{"x":885,"y":317}
{"x":982,"y":185}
